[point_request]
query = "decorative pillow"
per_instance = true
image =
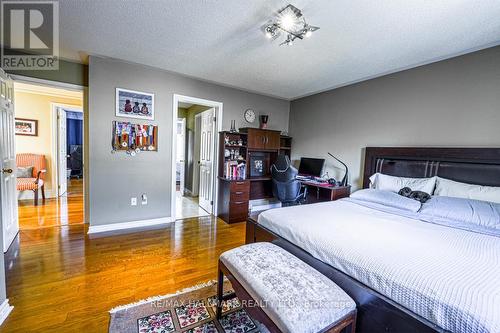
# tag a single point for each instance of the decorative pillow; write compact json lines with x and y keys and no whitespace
{"x":415,"y":195}
{"x":450,"y":188}
{"x":25,"y":172}
{"x":383,"y":182}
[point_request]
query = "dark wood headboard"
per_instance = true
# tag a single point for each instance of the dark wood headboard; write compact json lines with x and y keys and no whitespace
{"x":468,"y":165}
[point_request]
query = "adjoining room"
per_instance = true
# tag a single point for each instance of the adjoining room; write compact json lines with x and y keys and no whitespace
{"x":49,"y":154}
{"x":194,"y":153}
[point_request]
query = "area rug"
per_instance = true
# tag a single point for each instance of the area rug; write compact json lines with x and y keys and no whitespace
{"x":189,"y":310}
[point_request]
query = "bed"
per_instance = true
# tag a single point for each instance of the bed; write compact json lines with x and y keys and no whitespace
{"x":449,"y":285}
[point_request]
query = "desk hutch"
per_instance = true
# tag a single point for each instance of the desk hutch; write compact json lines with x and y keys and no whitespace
{"x":256,"y":150}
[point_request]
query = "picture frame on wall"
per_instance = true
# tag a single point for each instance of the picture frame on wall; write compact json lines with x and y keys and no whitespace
{"x":135,"y":104}
{"x":27,"y":127}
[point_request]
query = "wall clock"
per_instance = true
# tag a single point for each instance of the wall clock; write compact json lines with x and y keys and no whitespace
{"x":250,"y":115}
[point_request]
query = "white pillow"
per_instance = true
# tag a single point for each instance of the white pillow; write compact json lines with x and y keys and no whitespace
{"x":450,"y":188}
{"x":383,"y":182}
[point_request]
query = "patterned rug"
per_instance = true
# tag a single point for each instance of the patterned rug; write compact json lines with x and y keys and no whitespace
{"x":190,"y":310}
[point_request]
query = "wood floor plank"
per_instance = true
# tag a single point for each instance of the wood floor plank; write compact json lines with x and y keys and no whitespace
{"x":65,"y":210}
{"x":59,"y":280}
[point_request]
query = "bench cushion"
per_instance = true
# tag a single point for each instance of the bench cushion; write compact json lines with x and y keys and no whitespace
{"x":295,"y":296}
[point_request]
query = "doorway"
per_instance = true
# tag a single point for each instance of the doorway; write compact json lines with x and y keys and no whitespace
{"x":195,"y":156}
{"x":51,"y":155}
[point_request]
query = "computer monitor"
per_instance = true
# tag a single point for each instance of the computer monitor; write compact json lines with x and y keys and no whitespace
{"x":311,"y":166}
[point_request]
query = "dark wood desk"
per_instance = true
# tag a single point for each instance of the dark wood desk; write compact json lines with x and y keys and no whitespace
{"x":318,"y":192}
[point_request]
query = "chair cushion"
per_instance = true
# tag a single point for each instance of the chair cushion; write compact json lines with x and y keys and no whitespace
{"x":297,"y":297}
{"x":24,"y":184}
{"x":24,"y":172}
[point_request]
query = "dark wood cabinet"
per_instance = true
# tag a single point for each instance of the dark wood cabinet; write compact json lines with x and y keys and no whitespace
{"x":256,"y":138}
{"x":262,"y":139}
{"x":272,"y":140}
{"x":233,"y":200}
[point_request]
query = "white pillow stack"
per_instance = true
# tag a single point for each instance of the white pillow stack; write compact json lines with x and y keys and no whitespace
{"x":450,"y":188}
{"x":383,"y":182}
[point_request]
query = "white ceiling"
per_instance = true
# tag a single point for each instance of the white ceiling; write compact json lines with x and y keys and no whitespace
{"x":222,"y":41}
{"x":185,"y":105}
{"x":46,"y":90}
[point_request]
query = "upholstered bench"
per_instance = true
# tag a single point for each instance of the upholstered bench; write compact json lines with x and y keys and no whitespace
{"x":284,"y":293}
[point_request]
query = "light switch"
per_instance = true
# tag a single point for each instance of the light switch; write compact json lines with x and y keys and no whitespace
{"x":133,"y":201}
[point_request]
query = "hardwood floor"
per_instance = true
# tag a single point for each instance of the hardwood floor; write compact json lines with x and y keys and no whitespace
{"x":64,"y":210}
{"x":59,"y":280}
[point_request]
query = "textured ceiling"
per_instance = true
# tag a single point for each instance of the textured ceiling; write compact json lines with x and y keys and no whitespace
{"x":222,"y":41}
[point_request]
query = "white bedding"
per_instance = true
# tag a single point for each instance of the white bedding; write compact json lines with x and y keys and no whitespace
{"x":449,"y":276}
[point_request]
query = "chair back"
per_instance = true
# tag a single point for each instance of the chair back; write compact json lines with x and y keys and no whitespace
{"x":34,"y":160}
{"x":285,"y":187}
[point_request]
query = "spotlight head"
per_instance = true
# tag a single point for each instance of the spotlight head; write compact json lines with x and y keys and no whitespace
{"x":308,"y":33}
{"x":270,"y":31}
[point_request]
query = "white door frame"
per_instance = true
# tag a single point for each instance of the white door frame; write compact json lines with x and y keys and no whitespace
{"x":55,"y":143}
{"x":183,"y":166}
{"x":218,"y":126}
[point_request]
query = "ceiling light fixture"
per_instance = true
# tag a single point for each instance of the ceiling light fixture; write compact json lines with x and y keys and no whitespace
{"x":290,"y":21}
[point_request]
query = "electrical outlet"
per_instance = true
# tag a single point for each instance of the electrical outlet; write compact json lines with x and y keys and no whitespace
{"x":144,"y":199}
{"x":133,"y":201}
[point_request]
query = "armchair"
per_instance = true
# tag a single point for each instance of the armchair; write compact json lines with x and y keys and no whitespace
{"x":36,"y":181}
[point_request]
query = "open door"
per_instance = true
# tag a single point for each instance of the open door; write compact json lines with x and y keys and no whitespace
{"x":62,"y":154}
{"x":8,"y":194}
{"x":206,"y":160}
{"x":196,"y":156}
{"x":181,"y":152}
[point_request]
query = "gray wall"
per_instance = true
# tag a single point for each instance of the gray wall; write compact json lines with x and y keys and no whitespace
{"x":114,"y":178}
{"x":68,"y":72}
{"x":455,"y":102}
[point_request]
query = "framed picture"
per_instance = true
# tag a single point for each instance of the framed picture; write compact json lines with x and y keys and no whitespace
{"x":135,"y":104}
{"x":258,"y":164}
{"x":26,"y":127}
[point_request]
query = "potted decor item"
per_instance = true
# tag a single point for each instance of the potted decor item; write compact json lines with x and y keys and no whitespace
{"x":263,"y":121}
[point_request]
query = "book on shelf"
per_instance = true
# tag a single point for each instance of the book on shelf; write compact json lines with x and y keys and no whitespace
{"x":235,"y":169}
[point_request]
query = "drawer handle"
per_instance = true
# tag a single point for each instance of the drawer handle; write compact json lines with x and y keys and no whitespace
{"x":239,"y":192}
{"x":239,"y":202}
{"x":240,"y":183}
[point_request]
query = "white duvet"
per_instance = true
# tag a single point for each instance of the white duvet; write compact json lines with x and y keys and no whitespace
{"x":449,"y":276}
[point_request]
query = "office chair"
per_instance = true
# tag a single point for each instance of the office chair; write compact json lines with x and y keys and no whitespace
{"x":286,"y":188}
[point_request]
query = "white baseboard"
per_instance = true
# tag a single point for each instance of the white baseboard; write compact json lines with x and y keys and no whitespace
{"x":5,"y":309}
{"x":30,"y":195}
{"x":95,"y":229}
